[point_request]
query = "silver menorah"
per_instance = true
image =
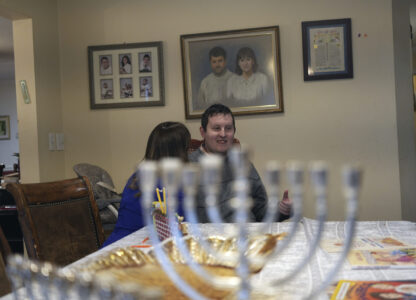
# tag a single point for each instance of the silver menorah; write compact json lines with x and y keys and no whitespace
{"x":31,"y":279}
{"x":175,"y":174}
{"x":35,"y":280}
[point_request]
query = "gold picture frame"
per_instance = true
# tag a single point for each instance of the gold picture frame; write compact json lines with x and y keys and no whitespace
{"x":245,"y":93}
{"x":414,"y":92}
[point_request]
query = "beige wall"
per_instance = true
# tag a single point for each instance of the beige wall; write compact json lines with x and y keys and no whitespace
{"x":37,"y":61}
{"x":339,"y":120}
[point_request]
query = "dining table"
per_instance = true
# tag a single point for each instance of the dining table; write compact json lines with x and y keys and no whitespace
{"x":313,"y":272}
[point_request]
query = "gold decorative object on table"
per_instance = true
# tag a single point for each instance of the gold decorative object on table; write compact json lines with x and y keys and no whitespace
{"x":135,"y":265}
{"x":259,"y":246}
{"x":153,"y":276}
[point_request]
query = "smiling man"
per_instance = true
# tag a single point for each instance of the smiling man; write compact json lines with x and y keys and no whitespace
{"x":217,"y":130}
{"x":212,"y":89}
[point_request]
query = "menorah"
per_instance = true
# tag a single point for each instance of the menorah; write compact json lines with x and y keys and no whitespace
{"x":31,"y":279}
{"x":175,"y":175}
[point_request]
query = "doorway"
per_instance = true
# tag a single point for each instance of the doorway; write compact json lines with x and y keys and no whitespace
{"x":9,"y":135}
{"x":24,"y":125}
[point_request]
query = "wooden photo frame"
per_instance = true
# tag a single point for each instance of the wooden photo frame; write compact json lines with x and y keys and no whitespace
{"x":212,"y":73}
{"x":4,"y":127}
{"x":126,"y":75}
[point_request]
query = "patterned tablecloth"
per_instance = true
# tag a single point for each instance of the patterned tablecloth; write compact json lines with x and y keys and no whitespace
{"x":314,"y":272}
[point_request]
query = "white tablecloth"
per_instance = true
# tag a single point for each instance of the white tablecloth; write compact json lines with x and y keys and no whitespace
{"x":321,"y":262}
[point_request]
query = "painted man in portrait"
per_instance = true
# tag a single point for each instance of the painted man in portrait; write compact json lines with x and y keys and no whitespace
{"x":213,"y":86}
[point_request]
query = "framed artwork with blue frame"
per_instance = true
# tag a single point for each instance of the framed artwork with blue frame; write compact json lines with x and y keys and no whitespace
{"x":327,"y":49}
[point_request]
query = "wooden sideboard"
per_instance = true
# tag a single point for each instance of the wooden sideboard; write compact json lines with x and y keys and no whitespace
{"x":9,"y":222}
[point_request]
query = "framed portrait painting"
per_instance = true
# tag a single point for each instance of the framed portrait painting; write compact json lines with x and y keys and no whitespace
{"x":238,"y":68}
{"x":327,"y":49}
{"x":126,"y":75}
{"x":414,"y":92}
{"x":4,"y":127}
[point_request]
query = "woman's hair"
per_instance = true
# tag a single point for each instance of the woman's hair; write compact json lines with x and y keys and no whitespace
{"x":245,"y":52}
{"x":122,"y":60}
{"x":168,"y":139}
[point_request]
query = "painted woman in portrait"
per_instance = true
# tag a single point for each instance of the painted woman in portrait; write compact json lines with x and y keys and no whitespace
{"x":247,"y":83}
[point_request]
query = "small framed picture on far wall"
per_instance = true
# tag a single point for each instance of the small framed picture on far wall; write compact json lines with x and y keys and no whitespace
{"x":4,"y":127}
{"x":126,"y":75}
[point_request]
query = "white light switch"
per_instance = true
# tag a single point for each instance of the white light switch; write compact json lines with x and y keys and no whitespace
{"x":52,"y":141}
{"x":60,"y":141}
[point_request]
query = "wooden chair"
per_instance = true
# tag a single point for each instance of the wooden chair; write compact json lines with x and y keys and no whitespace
{"x":195,"y":144}
{"x":5,"y":287}
{"x":59,"y":220}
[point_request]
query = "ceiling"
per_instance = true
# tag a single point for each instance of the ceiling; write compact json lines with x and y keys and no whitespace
{"x":6,"y":50}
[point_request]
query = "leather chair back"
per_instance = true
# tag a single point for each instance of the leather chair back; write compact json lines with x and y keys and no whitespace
{"x":59,"y":220}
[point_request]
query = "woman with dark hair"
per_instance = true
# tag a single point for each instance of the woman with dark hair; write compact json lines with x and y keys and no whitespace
{"x":247,"y":83}
{"x":168,"y":139}
{"x":125,"y":65}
